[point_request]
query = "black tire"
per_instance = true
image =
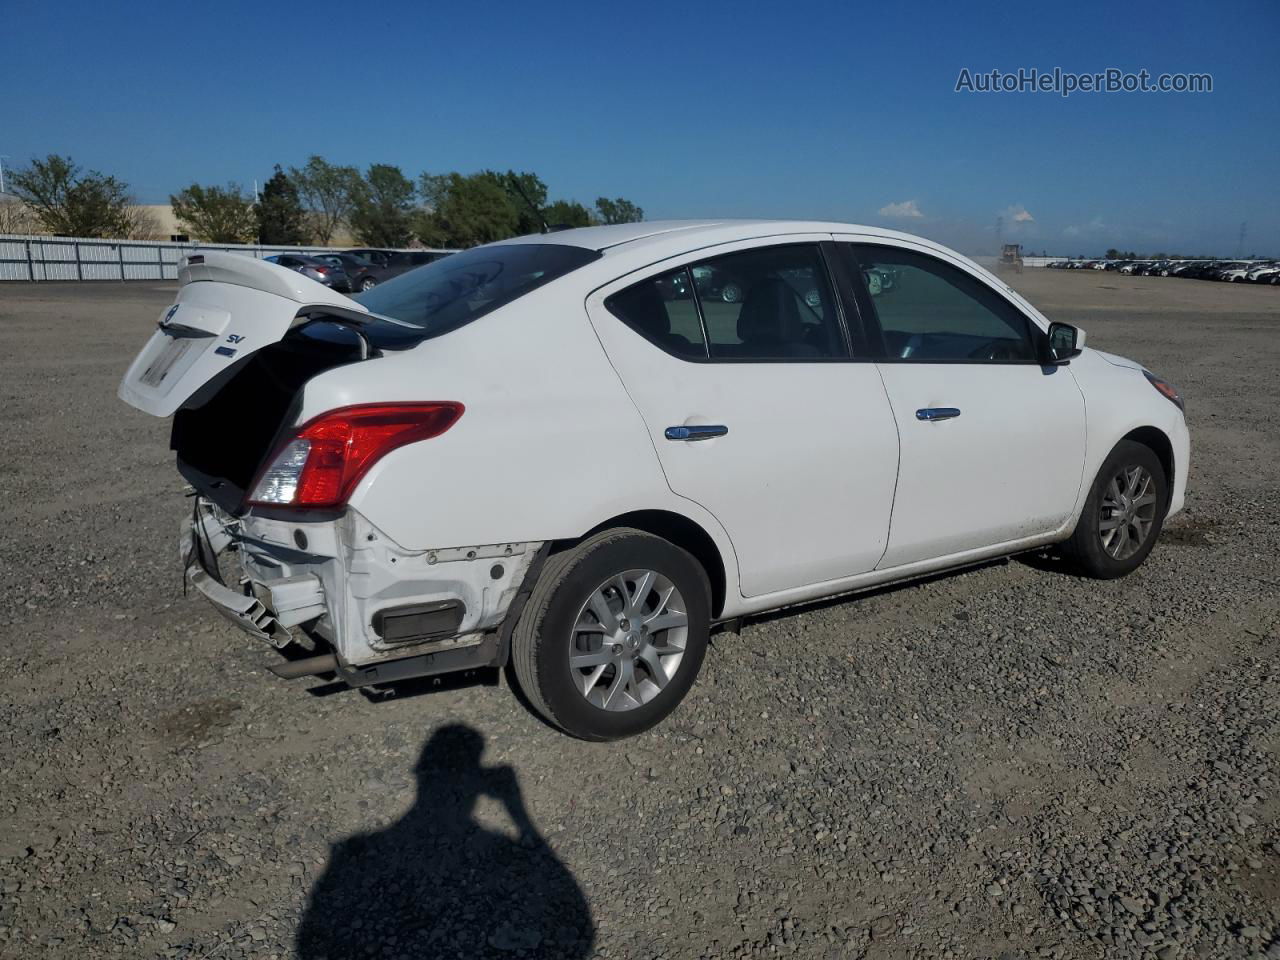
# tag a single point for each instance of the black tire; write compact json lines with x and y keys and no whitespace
{"x":540,"y":643}
{"x":1085,"y":549}
{"x":368,"y":283}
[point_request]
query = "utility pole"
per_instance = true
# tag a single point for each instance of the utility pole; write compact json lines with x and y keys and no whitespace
{"x":1240,"y":243}
{"x":3,"y":158}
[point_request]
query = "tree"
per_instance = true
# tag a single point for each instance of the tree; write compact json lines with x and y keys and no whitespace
{"x":383,"y":208}
{"x":281,"y":219}
{"x":463,"y":211}
{"x":618,"y":211}
{"x":16,"y":216}
{"x":141,"y":224}
{"x":216,"y":214}
{"x":567,"y":213}
{"x":528,"y":195}
{"x":72,"y":204}
{"x":1112,"y":254}
{"x":329,"y":194}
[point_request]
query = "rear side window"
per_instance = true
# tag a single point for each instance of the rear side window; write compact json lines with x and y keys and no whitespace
{"x":663,"y":311}
{"x":458,"y":289}
{"x":933,"y":312}
{"x":772,"y":303}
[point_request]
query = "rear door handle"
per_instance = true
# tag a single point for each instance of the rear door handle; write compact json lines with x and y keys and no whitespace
{"x":696,"y":432}
{"x":937,"y":413}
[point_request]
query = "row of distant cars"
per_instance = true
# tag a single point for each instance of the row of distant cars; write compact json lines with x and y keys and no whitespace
{"x":1232,"y":271}
{"x":354,"y":271}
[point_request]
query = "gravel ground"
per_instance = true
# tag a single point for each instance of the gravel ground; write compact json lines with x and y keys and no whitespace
{"x":1006,"y":763}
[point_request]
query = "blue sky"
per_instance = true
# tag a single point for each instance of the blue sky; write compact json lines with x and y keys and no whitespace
{"x":831,"y":110}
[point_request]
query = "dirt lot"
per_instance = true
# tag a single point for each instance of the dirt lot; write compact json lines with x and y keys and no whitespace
{"x":1007,"y":763}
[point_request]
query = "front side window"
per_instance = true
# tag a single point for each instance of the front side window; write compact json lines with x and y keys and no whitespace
{"x":771,"y":303}
{"x":931,"y":311}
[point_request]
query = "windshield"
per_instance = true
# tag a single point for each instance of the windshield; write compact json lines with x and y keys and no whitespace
{"x":457,"y":289}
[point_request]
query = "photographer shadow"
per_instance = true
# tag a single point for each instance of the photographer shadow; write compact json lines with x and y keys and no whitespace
{"x":438,"y":884}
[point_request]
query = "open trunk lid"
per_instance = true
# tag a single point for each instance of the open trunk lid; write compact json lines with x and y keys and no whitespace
{"x":229,"y":306}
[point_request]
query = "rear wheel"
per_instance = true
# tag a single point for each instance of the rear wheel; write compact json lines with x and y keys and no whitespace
{"x":1123,"y":514}
{"x":613,"y":635}
{"x":368,"y":283}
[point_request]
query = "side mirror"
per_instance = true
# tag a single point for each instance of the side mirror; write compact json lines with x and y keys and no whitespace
{"x":1065,"y":342}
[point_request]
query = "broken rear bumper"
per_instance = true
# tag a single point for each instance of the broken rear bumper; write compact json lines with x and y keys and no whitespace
{"x":387,"y":612}
{"x":265,"y":610}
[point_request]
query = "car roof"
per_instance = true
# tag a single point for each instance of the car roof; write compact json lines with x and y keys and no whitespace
{"x":627,"y":247}
{"x":695,"y":233}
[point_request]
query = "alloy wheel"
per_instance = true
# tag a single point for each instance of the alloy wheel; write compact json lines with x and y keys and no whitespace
{"x":628,"y":640}
{"x":1128,"y":511}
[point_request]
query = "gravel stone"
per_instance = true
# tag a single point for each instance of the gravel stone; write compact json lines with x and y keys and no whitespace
{"x":1070,"y":769}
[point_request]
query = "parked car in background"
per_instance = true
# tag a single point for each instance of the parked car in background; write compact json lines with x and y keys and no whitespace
{"x":1235,"y":272}
{"x":314,"y":269}
{"x":363,"y":274}
{"x":396,"y":262}
{"x":527,"y":453}
{"x":406,"y":260}
{"x":373,"y":254}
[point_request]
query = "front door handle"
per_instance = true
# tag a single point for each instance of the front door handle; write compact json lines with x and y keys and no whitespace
{"x":937,"y":413}
{"x":696,"y":432}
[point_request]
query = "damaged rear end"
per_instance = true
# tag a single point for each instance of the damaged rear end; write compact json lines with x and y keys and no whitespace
{"x":271,"y":540}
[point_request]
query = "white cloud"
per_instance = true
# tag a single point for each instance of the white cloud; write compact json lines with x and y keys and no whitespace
{"x":907,"y":209}
{"x":1018,"y":214}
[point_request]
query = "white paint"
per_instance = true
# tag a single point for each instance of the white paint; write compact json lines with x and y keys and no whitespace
{"x":826,"y":482}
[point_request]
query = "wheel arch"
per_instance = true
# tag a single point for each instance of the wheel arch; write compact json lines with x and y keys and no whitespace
{"x":685,"y":533}
{"x":1159,"y":443}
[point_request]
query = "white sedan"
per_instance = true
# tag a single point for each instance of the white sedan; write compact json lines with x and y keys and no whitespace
{"x":573,"y":453}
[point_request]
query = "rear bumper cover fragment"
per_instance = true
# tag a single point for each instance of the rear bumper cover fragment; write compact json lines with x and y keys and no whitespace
{"x":203,"y":539}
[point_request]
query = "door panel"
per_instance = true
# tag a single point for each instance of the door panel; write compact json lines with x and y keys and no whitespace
{"x":802,"y":478}
{"x":992,"y":443}
{"x":1007,"y":466}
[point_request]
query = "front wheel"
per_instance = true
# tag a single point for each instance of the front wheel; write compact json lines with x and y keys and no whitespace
{"x":1123,"y":514}
{"x":613,"y":634}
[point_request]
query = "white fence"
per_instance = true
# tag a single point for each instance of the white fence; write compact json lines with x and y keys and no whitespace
{"x":36,"y":258}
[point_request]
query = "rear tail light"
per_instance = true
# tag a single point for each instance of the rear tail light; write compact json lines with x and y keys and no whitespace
{"x":321,"y":464}
{"x":321,"y":270}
